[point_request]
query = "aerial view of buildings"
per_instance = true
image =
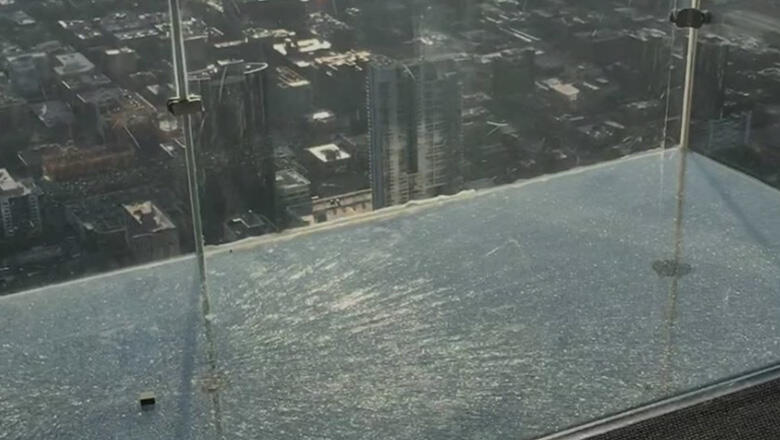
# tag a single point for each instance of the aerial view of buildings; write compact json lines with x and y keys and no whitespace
{"x":324,"y":109}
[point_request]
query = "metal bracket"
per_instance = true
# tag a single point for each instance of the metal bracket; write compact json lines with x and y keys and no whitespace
{"x":185,"y":106}
{"x":690,"y":18}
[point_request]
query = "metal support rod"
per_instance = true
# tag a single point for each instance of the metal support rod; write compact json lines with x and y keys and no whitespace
{"x":690,"y":73}
{"x":685,"y":135}
{"x":183,"y":92}
{"x":685,"y":140}
{"x":192,"y":183}
{"x":177,"y":42}
{"x":187,"y":105}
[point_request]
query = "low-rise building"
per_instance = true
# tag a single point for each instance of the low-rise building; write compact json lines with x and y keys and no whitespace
{"x":72,"y":64}
{"x":326,"y":160}
{"x":563,"y":95}
{"x":150,"y":234}
{"x":73,"y":162}
{"x":292,"y":189}
{"x":247,"y":224}
{"x":333,"y":208}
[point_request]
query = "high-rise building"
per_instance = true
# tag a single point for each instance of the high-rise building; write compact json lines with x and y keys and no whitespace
{"x":650,"y":60}
{"x":416,"y":148}
{"x":232,"y":140}
{"x":19,"y":207}
{"x":709,"y":92}
{"x":335,"y":77}
{"x":293,"y":95}
{"x":232,"y":14}
{"x":233,"y":94}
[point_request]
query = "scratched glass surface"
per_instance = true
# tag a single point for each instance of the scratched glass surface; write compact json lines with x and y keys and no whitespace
{"x":423,"y":218}
{"x":348,"y":331}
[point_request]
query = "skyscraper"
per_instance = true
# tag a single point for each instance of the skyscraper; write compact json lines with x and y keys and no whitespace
{"x":19,"y":207}
{"x":709,"y":92}
{"x":233,"y":94}
{"x":415,"y":135}
{"x":232,"y":141}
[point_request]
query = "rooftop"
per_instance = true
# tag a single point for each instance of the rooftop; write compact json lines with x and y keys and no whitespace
{"x":73,"y":63}
{"x":287,"y":78}
{"x":10,"y":186}
{"x":463,"y":317}
{"x":352,"y":58}
{"x":191,"y":27}
{"x":81,"y":29}
{"x":121,"y":50}
{"x":125,"y":21}
{"x":227,"y":71}
{"x":328,"y":153}
{"x":148,"y":216}
{"x":117,"y":101}
{"x":567,"y":90}
{"x":91,"y":80}
{"x":304,"y":46}
{"x":136,"y":34}
{"x":105,"y":214}
{"x":248,"y":224}
{"x":261,"y":33}
{"x":53,"y":113}
{"x":321,"y":116}
{"x":289,"y":179}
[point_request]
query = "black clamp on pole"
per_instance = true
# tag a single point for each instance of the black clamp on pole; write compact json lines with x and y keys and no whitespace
{"x":690,"y":18}
{"x":185,"y":106}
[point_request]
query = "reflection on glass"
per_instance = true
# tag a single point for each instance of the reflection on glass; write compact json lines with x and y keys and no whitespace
{"x":361,"y":105}
{"x":736,"y":93}
{"x":566,"y":299}
{"x":234,"y":150}
{"x":91,"y":175}
{"x":733,"y":122}
{"x":313,"y":111}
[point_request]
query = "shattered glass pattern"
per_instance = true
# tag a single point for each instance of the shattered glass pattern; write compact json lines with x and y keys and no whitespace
{"x":518,"y":311}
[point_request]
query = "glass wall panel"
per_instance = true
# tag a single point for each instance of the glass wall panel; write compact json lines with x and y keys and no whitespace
{"x":90,"y":176}
{"x":726,"y":302}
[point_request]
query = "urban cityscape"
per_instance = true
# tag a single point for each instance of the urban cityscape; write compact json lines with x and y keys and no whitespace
{"x":320,"y":110}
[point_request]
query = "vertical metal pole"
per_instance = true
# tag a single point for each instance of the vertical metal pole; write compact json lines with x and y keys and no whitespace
{"x":685,"y":136}
{"x":183,"y":92}
{"x":685,"y":142}
{"x":690,"y":73}
{"x":177,"y":42}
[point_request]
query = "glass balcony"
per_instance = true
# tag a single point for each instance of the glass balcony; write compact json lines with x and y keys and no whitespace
{"x":421,"y":219}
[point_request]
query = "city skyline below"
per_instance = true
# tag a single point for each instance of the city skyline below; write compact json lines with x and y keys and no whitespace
{"x":320,"y":110}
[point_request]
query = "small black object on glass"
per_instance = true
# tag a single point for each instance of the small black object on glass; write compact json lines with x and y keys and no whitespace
{"x":185,"y":106}
{"x":691,"y":18}
{"x":147,"y":400}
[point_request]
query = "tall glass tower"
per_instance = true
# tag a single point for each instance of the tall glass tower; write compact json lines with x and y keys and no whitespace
{"x":232,"y":139}
{"x":415,"y":134}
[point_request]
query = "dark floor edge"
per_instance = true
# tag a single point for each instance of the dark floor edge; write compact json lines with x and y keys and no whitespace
{"x":669,"y":405}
